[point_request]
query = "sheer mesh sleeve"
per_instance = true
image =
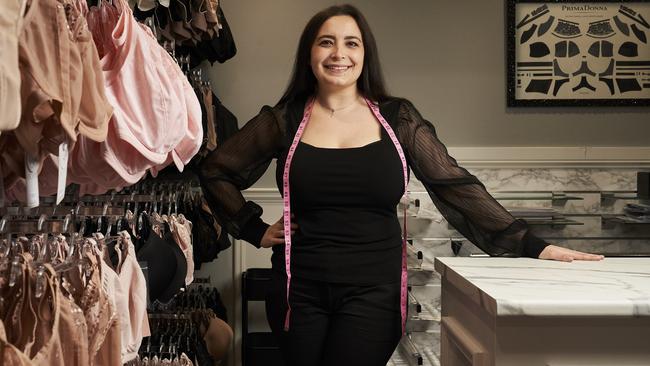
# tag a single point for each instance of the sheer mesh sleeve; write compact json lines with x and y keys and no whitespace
{"x":235,"y":166}
{"x":460,"y":196}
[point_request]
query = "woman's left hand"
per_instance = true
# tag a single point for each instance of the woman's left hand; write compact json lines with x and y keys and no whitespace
{"x":553,"y":252}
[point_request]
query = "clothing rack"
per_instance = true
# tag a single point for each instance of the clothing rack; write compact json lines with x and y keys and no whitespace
{"x":57,"y":211}
{"x":114,"y":204}
{"x":56,"y":239}
{"x":180,"y":326}
{"x":35,"y":230}
{"x":175,"y":316}
{"x":173,"y":335}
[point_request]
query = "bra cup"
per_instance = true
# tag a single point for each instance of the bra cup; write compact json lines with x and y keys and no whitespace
{"x":628,"y":49}
{"x":607,"y":49}
{"x":539,"y":49}
{"x":594,"y":49}
{"x":561,"y":49}
{"x":574,"y":50}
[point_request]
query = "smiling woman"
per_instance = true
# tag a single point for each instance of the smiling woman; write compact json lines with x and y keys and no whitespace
{"x":344,"y":151}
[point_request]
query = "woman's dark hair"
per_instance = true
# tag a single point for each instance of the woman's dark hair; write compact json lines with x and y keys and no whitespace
{"x":303,"y":82}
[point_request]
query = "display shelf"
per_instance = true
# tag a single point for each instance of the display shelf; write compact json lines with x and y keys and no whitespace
{"x":432,"y":247}
{"x":618,"y":195}
{"x":617,"y":219}
{"x":560,"y":221}
{"x":428,"y":343}
{"x":533,"y":211}
{"x":542,"y":216}
{"x":556,"y":222}
{"x":410,"y":352}
{"x":412,"y":207}
{"x":414,"y":305}
{"x":422,"y":276}
{"x":425,"y":345}
{"x":535,"y":196}
{"x":426,"y":320}
{"x":397,"y":359}
{"x":414,"y":257}
{"x":422,"y":323}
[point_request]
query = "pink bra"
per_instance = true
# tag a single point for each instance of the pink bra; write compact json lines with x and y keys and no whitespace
{"x":156,"y":113}
{"x":133,"y":283}
{"x":157,"y":117}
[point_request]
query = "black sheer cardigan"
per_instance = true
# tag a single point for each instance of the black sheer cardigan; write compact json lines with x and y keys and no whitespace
{"x":461,"y":197}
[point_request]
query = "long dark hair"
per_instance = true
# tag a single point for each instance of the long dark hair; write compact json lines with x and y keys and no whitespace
{"x":303,"y":82}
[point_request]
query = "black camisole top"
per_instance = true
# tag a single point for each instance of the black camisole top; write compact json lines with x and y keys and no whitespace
{"x":345,"y":202}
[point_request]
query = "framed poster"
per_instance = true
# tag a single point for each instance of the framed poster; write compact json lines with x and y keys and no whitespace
{"x":578,"y":53}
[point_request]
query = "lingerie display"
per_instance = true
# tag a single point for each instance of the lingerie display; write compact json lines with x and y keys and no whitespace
{"x":105,"y":119}
{"x":134,"y":252}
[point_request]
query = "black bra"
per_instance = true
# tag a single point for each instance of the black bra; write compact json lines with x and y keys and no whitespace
{"x":166,"y":266}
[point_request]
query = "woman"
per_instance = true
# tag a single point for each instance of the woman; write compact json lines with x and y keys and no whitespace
{"x":343,"y":146}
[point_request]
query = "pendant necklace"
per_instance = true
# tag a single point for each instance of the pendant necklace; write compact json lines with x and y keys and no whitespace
{"x":332,"y":110}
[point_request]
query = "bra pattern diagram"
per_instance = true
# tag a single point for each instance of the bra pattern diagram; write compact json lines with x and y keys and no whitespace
{"x":565,"y":51}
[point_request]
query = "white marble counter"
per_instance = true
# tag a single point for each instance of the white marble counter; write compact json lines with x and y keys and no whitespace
{"x":532,"y":287}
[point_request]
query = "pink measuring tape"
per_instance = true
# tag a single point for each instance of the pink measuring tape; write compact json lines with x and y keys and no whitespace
{"x":287,"y":203}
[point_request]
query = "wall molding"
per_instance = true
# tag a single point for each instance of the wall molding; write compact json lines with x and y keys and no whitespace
{"x":553,"y":157}
{"x":262,"y":195}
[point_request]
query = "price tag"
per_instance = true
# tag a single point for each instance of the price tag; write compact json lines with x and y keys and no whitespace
{"x":63,"y":172}
{"x":31,"y":177}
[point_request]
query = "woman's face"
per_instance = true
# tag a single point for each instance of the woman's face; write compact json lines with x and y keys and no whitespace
{"x":337,"y":53}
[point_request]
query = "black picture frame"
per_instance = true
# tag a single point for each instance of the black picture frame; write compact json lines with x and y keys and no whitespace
{"x":527,"y":89}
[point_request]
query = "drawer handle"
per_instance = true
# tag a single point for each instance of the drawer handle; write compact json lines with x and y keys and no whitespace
{"x":464,"y":341}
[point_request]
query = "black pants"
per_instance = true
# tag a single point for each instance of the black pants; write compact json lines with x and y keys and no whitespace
{"x":335,"y":324}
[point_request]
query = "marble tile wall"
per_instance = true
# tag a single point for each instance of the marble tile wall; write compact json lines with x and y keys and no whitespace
{"x":588,"y":193}
{"x":582,"y":196}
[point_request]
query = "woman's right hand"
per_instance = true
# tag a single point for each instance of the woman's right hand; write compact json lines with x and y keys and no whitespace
{"x":274,"y":234}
